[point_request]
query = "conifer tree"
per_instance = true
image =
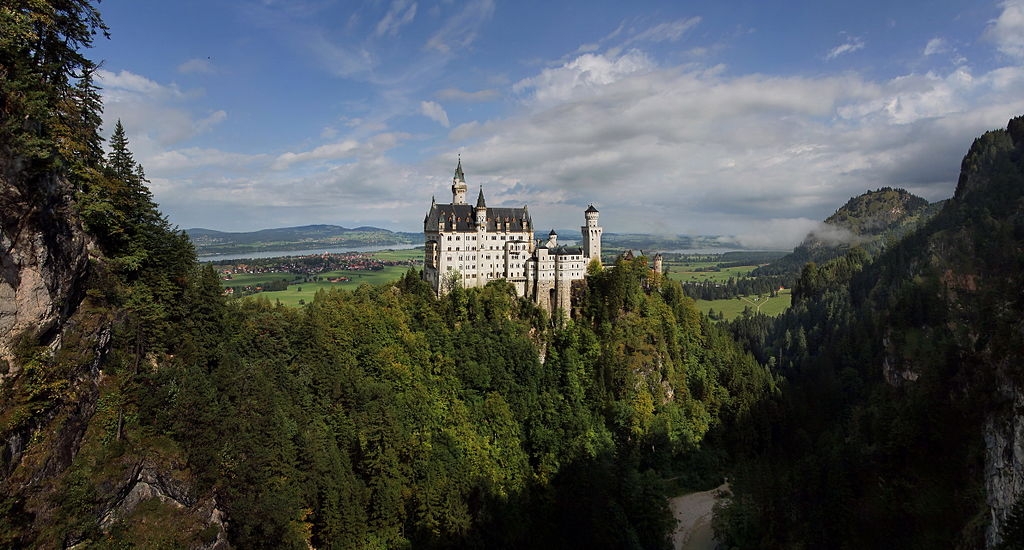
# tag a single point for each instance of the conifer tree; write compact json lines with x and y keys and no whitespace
{"x":40,"y":61}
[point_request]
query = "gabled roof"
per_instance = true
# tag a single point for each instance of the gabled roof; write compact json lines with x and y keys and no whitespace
{"x":563,"y":250}
{"x":462,"y":218}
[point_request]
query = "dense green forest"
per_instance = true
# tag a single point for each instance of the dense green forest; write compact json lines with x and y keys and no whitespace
{"x":895,"y":369}
{"x":154,"y":413}
{"x":145,"y":410}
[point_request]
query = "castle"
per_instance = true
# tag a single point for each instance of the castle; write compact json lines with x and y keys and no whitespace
{"x":471,"y":246}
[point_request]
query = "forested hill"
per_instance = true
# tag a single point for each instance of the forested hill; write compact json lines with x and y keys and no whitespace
{"x":869,"y":221}
{"x":141,"y":409}
{"x":900,"y":422}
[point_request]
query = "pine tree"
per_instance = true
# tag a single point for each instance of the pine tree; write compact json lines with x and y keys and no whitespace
{"x":40,"y":59}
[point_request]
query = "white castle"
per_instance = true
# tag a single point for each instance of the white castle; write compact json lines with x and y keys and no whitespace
{"x":471,"y":246}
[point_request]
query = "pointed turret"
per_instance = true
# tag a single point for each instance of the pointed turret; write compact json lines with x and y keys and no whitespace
{"x":459,"y":186}
{"x":481,"y":211}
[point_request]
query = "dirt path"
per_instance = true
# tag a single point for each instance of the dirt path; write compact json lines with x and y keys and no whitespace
{"x":693,"y":512}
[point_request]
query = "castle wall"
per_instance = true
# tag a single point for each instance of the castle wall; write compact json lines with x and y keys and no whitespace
{"x":483,"y":244}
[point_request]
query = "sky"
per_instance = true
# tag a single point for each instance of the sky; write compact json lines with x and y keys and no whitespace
{"x":748,"y":118}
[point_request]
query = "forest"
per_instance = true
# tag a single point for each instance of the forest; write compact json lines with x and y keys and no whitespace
{"x":149,"y":411}
{"x":381,"y":417}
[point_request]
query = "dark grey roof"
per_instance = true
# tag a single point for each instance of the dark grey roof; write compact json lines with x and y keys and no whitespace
{"x":552,"y":233}
{"x":462,"y":217}
{"x":563,"y":250}
{"x":458,"y":171}
{"x":480,"y":200}
{"x":590,"y":209}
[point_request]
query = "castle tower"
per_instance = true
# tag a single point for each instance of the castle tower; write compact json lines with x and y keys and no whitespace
{"x":459,"y":186}
{"x":552,"y":240}
{"x":658,"y":264}
{"x":592,"y":235}
{"x":481,"y":212}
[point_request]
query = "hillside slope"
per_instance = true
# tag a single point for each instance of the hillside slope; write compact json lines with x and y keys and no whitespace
{"x":869,"y":221}
{"x":904,"y":400}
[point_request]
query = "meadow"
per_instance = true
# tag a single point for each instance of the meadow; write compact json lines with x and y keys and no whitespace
{"x":703,"y":268}
{"x":733,"y":307}
{"x":300,"y":293}
{"x":300,"y":289}
{"x":685,"y":269}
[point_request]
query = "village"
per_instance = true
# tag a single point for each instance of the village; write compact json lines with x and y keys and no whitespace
{"x":243,"y":277}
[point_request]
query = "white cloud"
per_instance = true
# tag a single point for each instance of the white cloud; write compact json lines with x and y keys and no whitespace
{"x":118,"y":85}
{"x":777,"y":234}
{"x":156,"y":116}
{"x":400,"y":13}
{"x":460,"y":30}
{"x":196,"y":66}
{"x":435,"y":112}
{"x":851,"y":45}
{"x":670,"y":31}
{"x":586,"y":72}
{"x":935,"y":46}
{"x":331,"y":151}
{"x":1007,"y":31}
{"x":455,"y":94}
{"x":340,"y":60}
{"x":346,"y":149}
{"x":668,"y":145}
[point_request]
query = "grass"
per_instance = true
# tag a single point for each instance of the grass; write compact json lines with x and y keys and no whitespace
{"x":302,"y":292}
{"x":733,"y":307}
{"x":688,"y":272}
{"x":399,"y":255}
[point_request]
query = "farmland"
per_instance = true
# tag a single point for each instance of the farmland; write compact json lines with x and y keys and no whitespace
{"x":721,"y":283}
{"x":293,"y":281}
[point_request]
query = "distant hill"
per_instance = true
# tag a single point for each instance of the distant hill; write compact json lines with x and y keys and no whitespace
{"x":870,"y":221}
{"x":209,"y":241}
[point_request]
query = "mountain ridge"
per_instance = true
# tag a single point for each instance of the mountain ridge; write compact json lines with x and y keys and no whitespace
{"x":869,"y":220}
{"x":211,"y":241}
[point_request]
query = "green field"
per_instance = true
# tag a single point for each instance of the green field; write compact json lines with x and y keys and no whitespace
{"x":733,"y":307}
{"x":302,"y":292}
{"x":399,"y":255}
{"x":694,"y":269}
{"x":686,"y":272}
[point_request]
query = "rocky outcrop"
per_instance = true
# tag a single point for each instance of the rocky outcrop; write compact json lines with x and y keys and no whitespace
{"x":1004,"y":461}
{"x":44,"y":260}
{"x":54,"y":435}
{"x":167,"y":482}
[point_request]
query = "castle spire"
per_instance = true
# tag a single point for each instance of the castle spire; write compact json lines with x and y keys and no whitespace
{"x":459,"y":185}
{"x":459,"y":176}
{"x":480,"y":200}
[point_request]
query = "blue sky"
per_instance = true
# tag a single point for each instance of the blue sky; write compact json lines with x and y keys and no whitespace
{"x":749,"y":118}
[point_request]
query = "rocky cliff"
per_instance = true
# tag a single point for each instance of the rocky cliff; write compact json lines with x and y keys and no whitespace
{"x":43,"y":260}
{"x":62,"y":480}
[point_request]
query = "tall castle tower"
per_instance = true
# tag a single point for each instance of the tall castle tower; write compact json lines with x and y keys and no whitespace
{"x":459,"y":186}
{"x":592,"y":235}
